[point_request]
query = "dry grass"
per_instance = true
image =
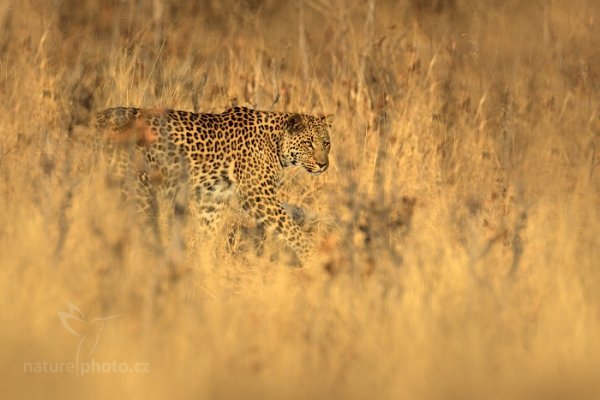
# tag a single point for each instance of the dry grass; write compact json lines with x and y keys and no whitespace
{"x":458,"y":243}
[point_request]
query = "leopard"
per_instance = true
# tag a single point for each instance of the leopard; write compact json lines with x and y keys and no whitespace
{"x":216,"y":158}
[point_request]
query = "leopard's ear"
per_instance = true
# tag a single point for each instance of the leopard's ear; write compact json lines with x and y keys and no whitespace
{"x":294,"y":123}
{"x":327,"y":120}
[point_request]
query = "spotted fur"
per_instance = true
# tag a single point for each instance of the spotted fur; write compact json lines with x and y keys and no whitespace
{"x":239,"y":154}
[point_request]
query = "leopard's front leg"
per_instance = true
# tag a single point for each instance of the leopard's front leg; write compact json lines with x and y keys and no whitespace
{"x":262,"y":204}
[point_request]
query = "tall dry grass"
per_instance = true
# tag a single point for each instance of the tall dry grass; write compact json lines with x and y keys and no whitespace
{"x":457,"y":231}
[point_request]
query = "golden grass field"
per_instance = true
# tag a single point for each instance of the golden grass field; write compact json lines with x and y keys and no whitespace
{"x":457,"y":231}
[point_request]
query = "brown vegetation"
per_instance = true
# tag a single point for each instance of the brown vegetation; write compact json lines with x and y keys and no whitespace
{"x":457,"y":229}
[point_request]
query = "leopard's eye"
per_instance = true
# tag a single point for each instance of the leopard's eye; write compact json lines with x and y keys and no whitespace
{"x":307,"y":143}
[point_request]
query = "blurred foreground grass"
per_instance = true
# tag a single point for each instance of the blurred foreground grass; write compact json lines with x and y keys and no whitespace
{"x":457,"y":235}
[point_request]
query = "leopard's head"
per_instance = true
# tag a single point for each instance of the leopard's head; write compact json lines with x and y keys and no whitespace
{"x":306,"y":142}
